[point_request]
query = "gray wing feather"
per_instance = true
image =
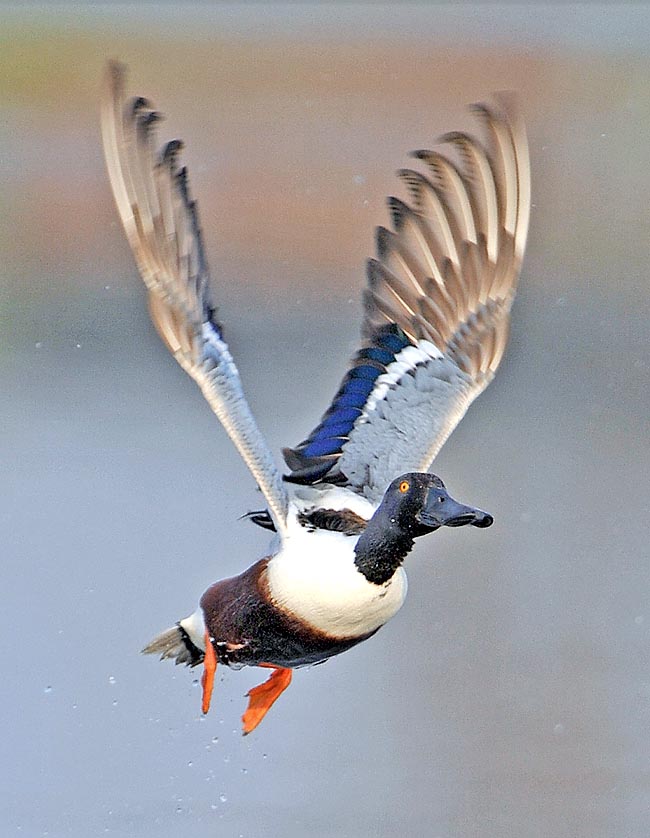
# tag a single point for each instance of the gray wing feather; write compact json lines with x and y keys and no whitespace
{"x":161,"y":224}
{"x":391,"y":442}
{"x":438,"y":296}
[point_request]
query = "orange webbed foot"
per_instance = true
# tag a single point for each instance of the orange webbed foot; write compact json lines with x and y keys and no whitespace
{"x":209,"y":668}
{"x":262,"y":698}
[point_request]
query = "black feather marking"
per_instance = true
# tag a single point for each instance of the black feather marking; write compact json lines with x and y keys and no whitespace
{"x":261,"y":517}
{"x":336,"y":520}
{"x":195,"y":654}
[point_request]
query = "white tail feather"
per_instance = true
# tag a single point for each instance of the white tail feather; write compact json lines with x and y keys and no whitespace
{"x":174,"y":643}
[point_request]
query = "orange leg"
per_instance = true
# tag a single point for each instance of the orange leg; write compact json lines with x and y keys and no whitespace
{"x":209,"y":668}
{"x":262,"y":698}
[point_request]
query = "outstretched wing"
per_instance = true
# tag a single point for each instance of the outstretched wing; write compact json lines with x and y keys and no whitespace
{"x":436,"y":311}
{"x":161,"y":224}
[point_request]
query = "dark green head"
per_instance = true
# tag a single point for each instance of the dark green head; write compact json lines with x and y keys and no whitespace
{"x":413,"y":505}
{"x":422,"y":500}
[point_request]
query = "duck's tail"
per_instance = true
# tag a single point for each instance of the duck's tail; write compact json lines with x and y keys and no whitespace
{"x":175,"y":643}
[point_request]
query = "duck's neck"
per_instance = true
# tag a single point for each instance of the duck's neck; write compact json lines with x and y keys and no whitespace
{"x":381,"y":549}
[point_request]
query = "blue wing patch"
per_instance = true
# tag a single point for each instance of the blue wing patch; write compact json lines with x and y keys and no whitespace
{"x":315,"y":457}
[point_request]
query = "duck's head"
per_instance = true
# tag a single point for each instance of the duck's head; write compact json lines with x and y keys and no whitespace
{"x":413,"y":505}
{"x":420,"y":503}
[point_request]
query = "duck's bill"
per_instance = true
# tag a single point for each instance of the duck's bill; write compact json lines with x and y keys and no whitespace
{"x":441,"y":510}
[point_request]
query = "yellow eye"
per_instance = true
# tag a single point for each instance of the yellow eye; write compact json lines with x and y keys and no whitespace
{"x":404,"y":486}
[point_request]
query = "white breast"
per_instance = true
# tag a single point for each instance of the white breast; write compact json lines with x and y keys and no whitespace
{"x":314,"y":577}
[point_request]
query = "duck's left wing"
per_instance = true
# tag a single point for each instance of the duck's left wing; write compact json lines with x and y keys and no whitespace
{"x":436,"y":312}
{"x":161,"y":224}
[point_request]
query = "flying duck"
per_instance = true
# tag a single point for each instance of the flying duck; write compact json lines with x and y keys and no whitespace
{"x":357,"y":492}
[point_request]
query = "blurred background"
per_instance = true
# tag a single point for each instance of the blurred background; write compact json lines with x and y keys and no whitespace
{"x":511,"y":695}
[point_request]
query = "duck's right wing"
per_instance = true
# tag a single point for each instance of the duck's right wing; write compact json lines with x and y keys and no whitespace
{"x":161,"y":225}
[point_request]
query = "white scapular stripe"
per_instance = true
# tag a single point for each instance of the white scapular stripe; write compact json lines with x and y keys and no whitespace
{"x":405,"y":360}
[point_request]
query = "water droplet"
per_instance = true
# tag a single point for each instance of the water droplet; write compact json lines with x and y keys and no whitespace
{"x":114,"y":703}
{"x":107,"y":288}
{"x":78,"y":345}
{"x":190,"y":764}
{"x":47,"y":690}
{"x":179,"y":809}
{"x":195,"y":682}
{"x":38,"y":344}
{"x":244,"y":771}
{"x":558,"y":730}
{"x":74,"y":706}
{"x":639,"y":620}
{"x":215,"y":739}
{"x":226,"y":758}
{"x":214,"y":807}
{"x":223,"y":798}
{"x":111,"y":679}
{"x":265,"y":756}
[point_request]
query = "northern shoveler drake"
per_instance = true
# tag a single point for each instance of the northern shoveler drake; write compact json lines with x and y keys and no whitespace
{"x":357,"y":495}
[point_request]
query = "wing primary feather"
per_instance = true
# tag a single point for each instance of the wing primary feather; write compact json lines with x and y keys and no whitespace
{"x":482,"y":192}
{"x":431,"y":205}
{"x":418,"y":241}
{"x":453,"y":185}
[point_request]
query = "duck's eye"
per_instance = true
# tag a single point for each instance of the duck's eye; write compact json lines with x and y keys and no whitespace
{"x":441,"y":498}
{"x":404,"y":486}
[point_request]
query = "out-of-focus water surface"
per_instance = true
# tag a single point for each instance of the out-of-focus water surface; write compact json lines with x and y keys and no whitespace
{"x":511,"y":696}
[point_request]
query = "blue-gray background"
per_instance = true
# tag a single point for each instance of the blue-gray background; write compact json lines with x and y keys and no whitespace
{"x":511,"y":696}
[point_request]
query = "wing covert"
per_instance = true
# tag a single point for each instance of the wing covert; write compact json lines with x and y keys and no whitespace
{"x":161,"y":224}
{"x":436,"y":310}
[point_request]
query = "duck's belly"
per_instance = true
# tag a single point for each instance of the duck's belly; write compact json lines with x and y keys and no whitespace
{"x":287,"y":648}
{"x":247,"y":628}
{"x":315,"y":580}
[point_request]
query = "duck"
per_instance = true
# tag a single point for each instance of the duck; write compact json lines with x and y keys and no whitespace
{"x":357,"y":491}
